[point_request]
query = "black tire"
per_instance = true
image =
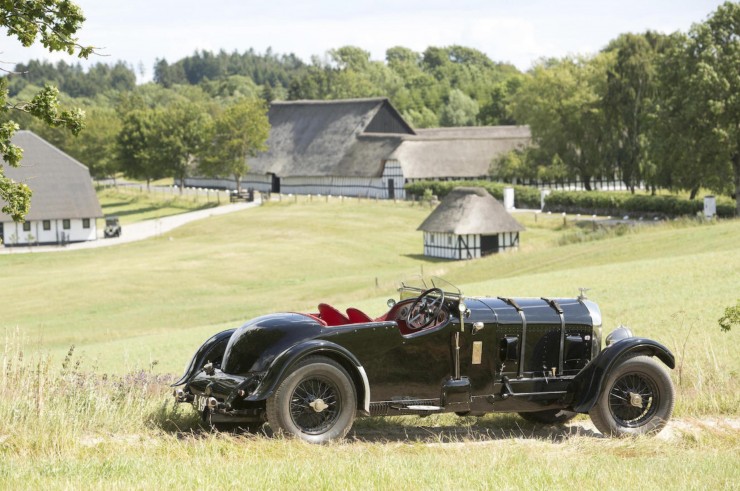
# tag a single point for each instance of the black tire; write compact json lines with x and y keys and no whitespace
{"x":549,"y":416}
{"x":637,"y":399}
{"x":290,"y":409}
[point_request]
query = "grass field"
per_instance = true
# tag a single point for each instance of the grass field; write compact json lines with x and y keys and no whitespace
{"x":132,"y":204}
{"x":136,"y":312}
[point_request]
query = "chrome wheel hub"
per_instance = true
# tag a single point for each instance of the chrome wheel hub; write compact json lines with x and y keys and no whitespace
{"x":318,"y":405}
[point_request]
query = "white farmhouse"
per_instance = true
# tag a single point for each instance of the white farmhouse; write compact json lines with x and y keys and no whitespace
{"x":64,"y":206}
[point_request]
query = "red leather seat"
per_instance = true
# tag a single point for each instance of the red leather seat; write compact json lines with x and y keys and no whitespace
{"x":332,"y":316}
{"x":357,"y":316}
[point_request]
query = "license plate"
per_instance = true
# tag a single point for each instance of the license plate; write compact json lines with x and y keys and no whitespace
{"x":199,"y":403}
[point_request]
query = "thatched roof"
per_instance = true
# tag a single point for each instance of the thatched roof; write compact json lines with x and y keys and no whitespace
{"x":61,"y":186}
{"x":349,"y":138}
{"x":470,"y":210}
{"x":457,"y":152}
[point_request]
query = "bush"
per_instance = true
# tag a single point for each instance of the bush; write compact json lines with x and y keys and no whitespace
{"x":524,"y":196}
{"x":617,"y":204}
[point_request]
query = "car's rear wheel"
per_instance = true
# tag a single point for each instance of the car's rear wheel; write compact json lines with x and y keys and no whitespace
{"x":549,"y":416}
{"x":637,"y":399}
{"x":315,"y":402}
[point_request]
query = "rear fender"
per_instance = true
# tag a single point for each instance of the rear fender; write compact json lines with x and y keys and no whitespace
{"x":282,"y":366}
{"x":210,"y":351}
{"x":588,"y":383}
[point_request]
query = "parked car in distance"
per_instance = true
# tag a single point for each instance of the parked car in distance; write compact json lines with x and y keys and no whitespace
{"x":112,"y":227}
{"x":434,"y":351}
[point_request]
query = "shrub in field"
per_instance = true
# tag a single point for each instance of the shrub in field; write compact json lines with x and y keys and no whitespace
{"x":730,"y":318}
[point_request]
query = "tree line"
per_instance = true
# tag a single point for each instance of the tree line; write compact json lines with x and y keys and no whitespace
{"x":649,"y":108}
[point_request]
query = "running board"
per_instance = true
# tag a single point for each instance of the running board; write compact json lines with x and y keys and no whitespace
{"x":425,"y":409}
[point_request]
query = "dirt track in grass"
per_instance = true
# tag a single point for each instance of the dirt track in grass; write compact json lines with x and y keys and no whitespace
{"x":487,"y":433}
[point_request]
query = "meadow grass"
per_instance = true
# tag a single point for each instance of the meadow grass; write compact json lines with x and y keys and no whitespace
{"x":131,"y":204}
{"x":63,"y":427}
{"x":101,"y":415}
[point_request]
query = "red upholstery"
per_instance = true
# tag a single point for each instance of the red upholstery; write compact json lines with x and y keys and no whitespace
{"x":357,"y":316}
{"x":332,"y":316}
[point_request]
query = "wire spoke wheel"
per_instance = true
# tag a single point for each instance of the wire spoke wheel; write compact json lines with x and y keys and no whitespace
{"x":633,"y":400}
{"x":316,"y":401}
{"x":314,"y":406}
{"x":637,"y":398}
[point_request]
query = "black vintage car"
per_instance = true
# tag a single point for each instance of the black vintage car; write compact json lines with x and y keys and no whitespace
{"x":435,"y":351}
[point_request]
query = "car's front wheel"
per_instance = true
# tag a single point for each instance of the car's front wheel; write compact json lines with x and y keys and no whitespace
{"x":637,"y":399}
{"x":315,"y":402}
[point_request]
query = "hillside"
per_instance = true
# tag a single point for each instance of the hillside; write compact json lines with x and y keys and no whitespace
{"x":127,"y":306}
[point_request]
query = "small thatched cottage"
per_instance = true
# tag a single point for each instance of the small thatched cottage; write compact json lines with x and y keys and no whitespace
{"x":64,"y":206}
{"x":469,"y":223}
{"x":363,"y":147}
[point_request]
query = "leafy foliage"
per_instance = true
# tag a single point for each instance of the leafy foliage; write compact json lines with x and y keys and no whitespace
{"x":697,"y":132}
{"x":54,"y":23}
{"x":238,"y":133}
{"x":730,"y":318}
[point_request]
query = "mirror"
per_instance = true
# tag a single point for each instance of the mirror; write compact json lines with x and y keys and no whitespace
{"x":390,"y":303}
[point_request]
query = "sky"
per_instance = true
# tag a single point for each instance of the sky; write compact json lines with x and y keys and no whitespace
{"x":515,"y":31}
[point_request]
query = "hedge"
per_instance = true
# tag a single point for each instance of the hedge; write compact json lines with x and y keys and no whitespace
{"x":524,"y":196}
{"x":618,"y":204}
{"x":584,"y":202}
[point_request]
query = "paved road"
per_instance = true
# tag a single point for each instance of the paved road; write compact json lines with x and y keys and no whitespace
{"x":138,"y":231}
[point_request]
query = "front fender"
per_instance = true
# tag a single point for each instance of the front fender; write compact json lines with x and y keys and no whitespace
{"x":212,"y":350}
{"x":288,"y":358}
{"x":589,"y":381}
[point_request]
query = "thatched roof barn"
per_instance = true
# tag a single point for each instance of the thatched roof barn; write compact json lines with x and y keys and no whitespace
{"x":330,"y":147}
{"x":64,"y":206}
{"x":469,"y":223}
{"x":363,"y":147}
{"x":330,"y":138}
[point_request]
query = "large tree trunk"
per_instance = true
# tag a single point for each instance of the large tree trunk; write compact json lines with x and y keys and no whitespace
{"x":238,"y":179}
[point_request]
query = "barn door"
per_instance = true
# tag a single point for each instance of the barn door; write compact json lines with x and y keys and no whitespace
{"x":391,"y":189}
{"x":488,"y":244}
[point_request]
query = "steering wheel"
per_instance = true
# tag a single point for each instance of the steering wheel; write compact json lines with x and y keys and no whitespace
{"x":425,"y":309}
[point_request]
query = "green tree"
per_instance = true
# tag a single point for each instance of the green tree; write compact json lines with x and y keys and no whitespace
{"x":182,"y":131}
{"x":460,"y":110}
{"x":137,"y":145}
{"x":698,"y":118}
{"x":96,"y":147}
{"x":238,"y":133}
{"x":561,"y":101}
{"x":54,"y":23}
{"x":629,"y":100}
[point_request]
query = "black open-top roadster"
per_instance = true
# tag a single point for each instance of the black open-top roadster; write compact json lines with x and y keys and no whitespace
{"x":435,"y":351}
